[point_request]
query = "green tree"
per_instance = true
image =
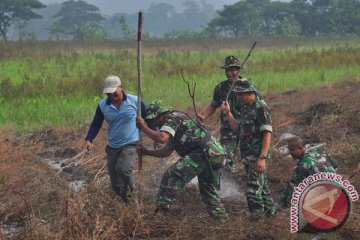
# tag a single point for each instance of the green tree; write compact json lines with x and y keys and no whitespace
{"x":161,"y":16}
{"x":344,"y":17}
{"x":298,"y":17}
{"x":278,"y":19}
{"x":21,"y":25}
{"x":12,"y":11}
{"x":162,"y":19}
{"x":126,"y":31}
{"x":243,"y":18}
{"x":228,"y":21}
{"x":56,"y":30}
{"x":307,"y":16}
{"x":80,"y":20}
{"x":43,"y":27}
{"x":327,"y":17}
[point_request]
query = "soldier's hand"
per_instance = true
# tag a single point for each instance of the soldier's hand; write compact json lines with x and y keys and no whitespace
{"x":261,"y":165}
{"x":200,"y":118}
{"x":140,"y":149}
{"x":140,"y":122}
{"x":225,"y":107}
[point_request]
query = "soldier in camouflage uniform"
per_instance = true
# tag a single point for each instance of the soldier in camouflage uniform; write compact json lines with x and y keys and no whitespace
{"x":228,"y":138}
{"x":201,"y":156}
{"x":310,"y":162}
{"x":254,"y":128}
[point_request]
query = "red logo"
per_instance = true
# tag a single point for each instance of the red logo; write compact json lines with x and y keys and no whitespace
{"x":325,"y":206}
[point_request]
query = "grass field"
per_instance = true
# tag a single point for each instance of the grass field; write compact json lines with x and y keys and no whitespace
{"x":59,"y":84}
{"x":48,"y":95}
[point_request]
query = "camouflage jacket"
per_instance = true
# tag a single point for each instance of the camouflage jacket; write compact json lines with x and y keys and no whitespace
{"x":220,"y":92}
{"x":189,"y":136}
{"x":311,"y":162}
{"x":253,"y":121}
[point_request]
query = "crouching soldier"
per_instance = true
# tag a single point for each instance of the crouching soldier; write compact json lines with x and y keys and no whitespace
{"x":200,"y":155}
{"x":310,"y":162}
{"x":255,"y":131}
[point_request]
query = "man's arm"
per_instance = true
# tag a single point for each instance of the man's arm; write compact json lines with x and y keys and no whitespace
{"x":206,"y":112}
{"x":160,"y":152}
{"x":266,"y":143}
{"x":94,"y":128}
{"x":263,"y":115}
{"x":225,"y":108}
{"x":261,"y":163}
{"x":157,"y":136}
{"x":212,"y":106}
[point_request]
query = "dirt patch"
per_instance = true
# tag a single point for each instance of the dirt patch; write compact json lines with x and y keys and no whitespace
{"x":319,"y":111}
{"x":39,"y":203}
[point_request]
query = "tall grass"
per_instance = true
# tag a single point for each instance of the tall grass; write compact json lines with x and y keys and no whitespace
{"x":34,"y":113}
{"x":49,"y":84}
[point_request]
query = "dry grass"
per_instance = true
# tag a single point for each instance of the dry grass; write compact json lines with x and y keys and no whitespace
{"x":12,"y":48}
{"x":37,"y":203}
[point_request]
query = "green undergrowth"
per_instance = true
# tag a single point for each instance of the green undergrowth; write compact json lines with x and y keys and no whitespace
{"x":61,"y":86}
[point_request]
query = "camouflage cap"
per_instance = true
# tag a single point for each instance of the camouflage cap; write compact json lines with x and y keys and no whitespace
{"x":243,"y":87}
{"x":231,"y":61}
{"x":156,"y":108}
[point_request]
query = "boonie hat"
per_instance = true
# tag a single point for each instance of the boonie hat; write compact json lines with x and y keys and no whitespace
{"x":156,"y":108}
{"x":231,"y":61}
{"x":111,"y":83}
{"x":243,"y":87}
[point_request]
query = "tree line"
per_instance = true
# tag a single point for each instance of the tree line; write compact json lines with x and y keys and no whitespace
{"x":298,"y":17}
{"x":79,"y":20}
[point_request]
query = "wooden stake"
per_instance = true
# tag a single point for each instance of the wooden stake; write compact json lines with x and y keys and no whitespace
{"x":139,"y":80}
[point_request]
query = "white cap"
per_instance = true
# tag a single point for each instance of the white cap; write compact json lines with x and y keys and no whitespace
{"x":111,"y":84}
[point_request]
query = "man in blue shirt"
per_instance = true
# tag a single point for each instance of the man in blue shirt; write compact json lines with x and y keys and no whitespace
{"x":119,"y":109}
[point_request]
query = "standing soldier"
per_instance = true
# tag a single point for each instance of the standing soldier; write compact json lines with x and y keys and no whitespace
{"x":310,"y":162}
{"x":255,"y":131}
{"x":201,"y":156}
{"x":228,"y":138}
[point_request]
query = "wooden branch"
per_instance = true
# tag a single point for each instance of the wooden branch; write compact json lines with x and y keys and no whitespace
{"x":192,"y":94}
{"x":100,"y":171}
{"x":74,"y":158}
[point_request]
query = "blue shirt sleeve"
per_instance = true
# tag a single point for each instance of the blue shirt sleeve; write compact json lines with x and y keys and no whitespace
{"x":95,"y":125}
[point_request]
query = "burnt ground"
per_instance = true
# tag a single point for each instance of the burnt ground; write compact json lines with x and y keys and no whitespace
{"x":36,"y":201}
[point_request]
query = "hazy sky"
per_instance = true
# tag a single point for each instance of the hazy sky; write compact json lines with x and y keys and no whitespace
{"x":131,"y":6}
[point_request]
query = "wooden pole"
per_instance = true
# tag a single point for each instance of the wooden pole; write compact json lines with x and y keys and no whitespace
{"x":139,"y":80}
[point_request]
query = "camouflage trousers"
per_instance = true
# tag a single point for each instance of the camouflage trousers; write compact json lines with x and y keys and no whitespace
{"x":230,"y":143}
{"x":258,"y":195}
{"x":286,"y":195}
{"x":186,"y":168}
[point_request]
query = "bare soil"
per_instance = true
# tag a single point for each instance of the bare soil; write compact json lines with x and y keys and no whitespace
{"x":36,"y":201}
